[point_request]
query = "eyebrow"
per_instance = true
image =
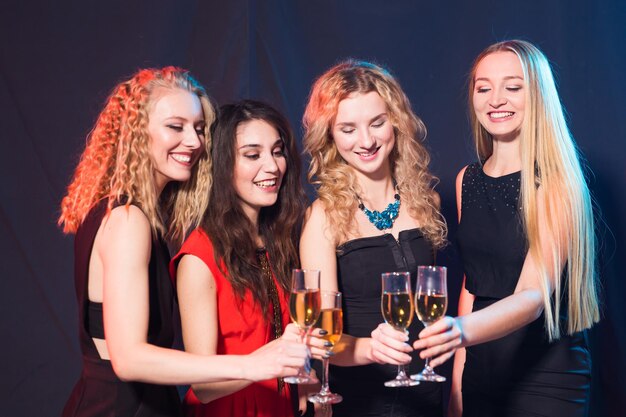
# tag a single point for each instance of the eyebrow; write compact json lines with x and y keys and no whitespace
{"x":370,"y":121}
{"x":256,"y":145}
{"x":509,"y":77}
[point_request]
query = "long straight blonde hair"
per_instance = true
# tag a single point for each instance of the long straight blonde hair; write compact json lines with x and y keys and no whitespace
{"x":550,"y":162}
{"x":116,"y":162}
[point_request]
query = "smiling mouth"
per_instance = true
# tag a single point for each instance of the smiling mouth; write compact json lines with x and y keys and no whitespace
{"x":266,"y":183}
{"x":185,"y":159}
{"x":367,"y":154}
{"x":500,"y":114}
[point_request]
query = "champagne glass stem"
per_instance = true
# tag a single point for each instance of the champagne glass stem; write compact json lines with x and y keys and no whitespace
{"x":427,"y":368}
{"x":401,"y":372}
{"x":325,"y":390}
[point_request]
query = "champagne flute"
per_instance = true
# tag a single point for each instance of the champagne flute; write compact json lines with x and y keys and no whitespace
{"x":331,"y":320}
{"x":304,"y":309}
{"x":431,"y":302}
{"x":397,"y":308}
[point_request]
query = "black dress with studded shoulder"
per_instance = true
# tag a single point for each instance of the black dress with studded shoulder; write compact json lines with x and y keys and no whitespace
{"x":360,"y":262}
{"x":521,"y":374}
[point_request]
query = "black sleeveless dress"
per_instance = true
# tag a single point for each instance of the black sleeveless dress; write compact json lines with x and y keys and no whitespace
{"x":99,"y":392}
{"x":521,"y":374}
{"x":360,"y":262}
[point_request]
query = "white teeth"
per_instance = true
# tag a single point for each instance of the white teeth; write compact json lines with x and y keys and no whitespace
{"x":500,"y":114}
{"x":181,"y":158}
{"x":266,"y":183}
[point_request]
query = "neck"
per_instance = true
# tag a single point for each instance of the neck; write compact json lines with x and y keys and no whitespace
{"x":506,"y":157}
{"x":376,"y":193}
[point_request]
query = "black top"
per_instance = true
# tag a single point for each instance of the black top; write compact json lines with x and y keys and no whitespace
{"x":99,"y":392}
{"x":490,"y":235}
{"x":522,"y":373}
{"x":360,"y":263}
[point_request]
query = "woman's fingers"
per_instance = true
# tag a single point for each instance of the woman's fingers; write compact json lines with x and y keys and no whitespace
{"x":389,"y":345}
{"x":440,"y":340}
{"x":442,"y":331}
{"x":318,"y":345}
{"x":278,"y":358}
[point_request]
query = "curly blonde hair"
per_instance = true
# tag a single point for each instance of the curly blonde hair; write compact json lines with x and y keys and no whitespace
{"x":550,"y":162}
{"x":117,"y":163}
{"x":335,"y":179}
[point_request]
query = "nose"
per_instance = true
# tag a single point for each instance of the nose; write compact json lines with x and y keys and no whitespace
{"x":366,"y":140}
{"x":498,"y":98}
{"x":191,"y":139}
{"x":270,"y":165}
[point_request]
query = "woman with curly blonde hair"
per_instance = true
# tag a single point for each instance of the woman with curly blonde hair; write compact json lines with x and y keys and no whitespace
{"x":145,"y":174}
{"x":376,"y":212}
{"x":526,"y":234}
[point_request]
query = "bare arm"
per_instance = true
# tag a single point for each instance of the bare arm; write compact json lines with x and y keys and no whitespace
{"x":123,"y":246}
{"x":197,"y":299}
{"x":317,"y":251}
{"x":466,"y":302}
{"x":499,"y":319}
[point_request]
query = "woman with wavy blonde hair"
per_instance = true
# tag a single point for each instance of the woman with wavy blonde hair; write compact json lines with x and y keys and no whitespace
{"x":144,"y":174}
{"x":376,"y":212}
{"x":527,"y":243}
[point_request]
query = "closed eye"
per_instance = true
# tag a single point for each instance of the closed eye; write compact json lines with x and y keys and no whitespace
{"x":177,"y":128}
{"x":514,"y":88}
{"x":482,"y":89}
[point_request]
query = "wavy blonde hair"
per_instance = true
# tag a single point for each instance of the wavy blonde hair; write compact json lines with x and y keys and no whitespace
{"x":550,"y":161}
{"x":117,"y":162}
{"x":335,"y":179}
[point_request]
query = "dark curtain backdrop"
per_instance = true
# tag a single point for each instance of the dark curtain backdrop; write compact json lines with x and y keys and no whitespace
{"x":59,"y":60}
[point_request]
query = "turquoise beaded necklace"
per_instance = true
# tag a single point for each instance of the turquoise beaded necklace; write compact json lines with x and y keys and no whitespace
{"x":382,"y":220}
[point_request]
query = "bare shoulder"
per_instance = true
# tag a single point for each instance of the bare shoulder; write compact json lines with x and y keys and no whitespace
{"x":193,"y":271}
{"x":128,"y":216}
{"x":125,"y":228}
{"x":459,"y":189}
{"x":316,"y":214}
{"x":459,"y":178}
{"x":315,"y":227}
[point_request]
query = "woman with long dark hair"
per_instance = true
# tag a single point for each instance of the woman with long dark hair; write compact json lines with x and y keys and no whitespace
{"x":233,"y":272}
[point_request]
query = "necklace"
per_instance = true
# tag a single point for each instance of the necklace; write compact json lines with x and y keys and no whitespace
{"x":277,"y":321}
{"x":382,"y":220}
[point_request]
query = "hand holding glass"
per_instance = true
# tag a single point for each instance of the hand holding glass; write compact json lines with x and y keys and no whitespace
{"x":397,"y":308}
{"x":304,"y":309}
{"x":330,"y":320}
{"x":431,"y":302}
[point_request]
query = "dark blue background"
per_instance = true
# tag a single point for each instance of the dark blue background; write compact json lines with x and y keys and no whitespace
{"x":59,"y":60}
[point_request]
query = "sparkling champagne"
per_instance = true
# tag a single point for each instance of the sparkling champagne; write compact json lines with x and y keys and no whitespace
{"x":397,"y":309}
{"x":304,"y":307}
{"x":430,"y":307}
{"x":331,"y":320}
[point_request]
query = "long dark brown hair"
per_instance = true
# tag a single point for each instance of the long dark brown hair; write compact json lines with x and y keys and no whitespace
{"x":225,"y":222}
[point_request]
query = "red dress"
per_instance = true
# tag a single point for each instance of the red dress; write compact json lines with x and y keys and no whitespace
{"x":242,"y":329}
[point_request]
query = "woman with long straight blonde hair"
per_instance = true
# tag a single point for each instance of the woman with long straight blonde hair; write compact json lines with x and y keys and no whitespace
{"x":377,"y":211}
{"x":145,"y":175}
{"x":527,"y":242}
